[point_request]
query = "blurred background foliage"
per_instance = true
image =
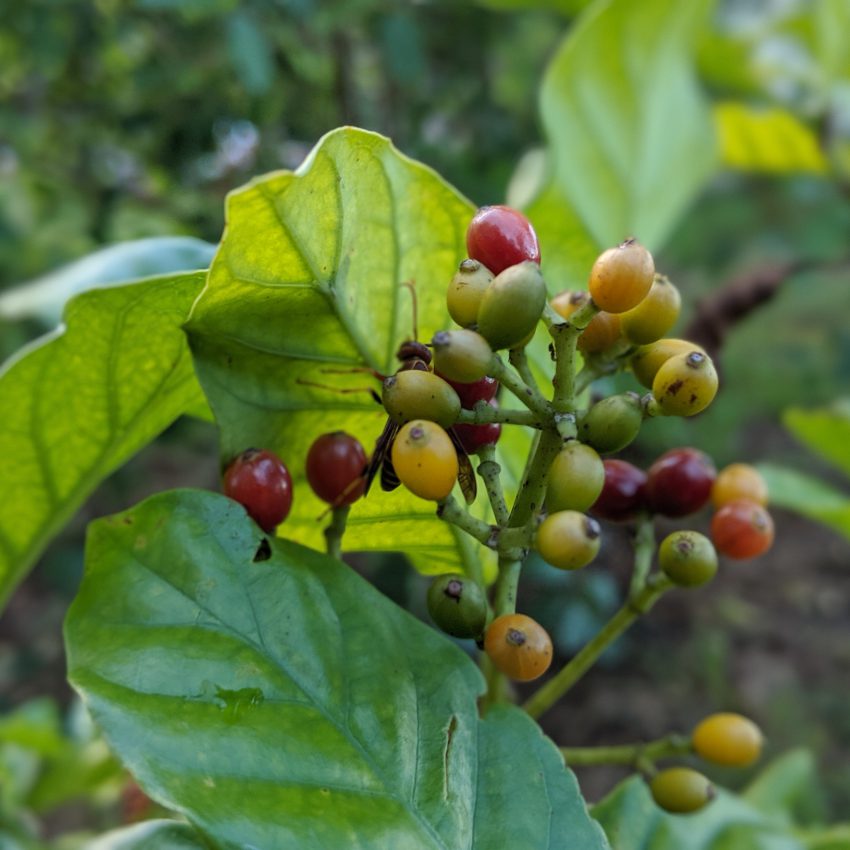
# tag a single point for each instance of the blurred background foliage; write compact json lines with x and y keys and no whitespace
{"x":131,"y":119}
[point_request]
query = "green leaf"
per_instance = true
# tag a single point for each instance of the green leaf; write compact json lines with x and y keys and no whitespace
{"x":632,"y":821}
{"x":45,"y":297}
{"x":826,"y":431}
{"x":772,"y":141}
{"x":808,"y":496}
{"x":150,"y":835}
{"x":80,"y":402}
{"x":786,"y":785}
{"x":565,"y":7}
{"x":309,"y":279}
{"x":278,"y":700}
{"x":630,"y":137}
{"x":250,"y":52}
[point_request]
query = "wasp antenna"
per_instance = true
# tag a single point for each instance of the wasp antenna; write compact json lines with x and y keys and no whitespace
{"x":411,"y":285}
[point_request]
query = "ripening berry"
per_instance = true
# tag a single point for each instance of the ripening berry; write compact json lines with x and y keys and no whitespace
{"x":463,"y":356}
{"x":681,"y":790}
{"x":687,"y":558}
{"x":260,"y":482}
{"x":470,"y":394}
{"x":621,"y":277}
{"x":575,"y":479}
{"x":501,"y":237}
{"x":425,"y":460}
{"x":728,"y":739}
{"x":568,"y":540}
{"x":473,"y":437}
{"x":466,"y":291}
{"x":335,"y":468}
{"x":679,"y":482}
{"x":742,"y":530}
{"x":416,"y":394}
{"x":519,"y":646}
{"x":739,"y":481}
{"x":512,"y":306}
{"x":648,"y":359}
{"x":686,"y":384}
{"x":602,"y":331}
{"x":457,"y":605}
{"x":623,"y":495}
{"x":655,"y":315}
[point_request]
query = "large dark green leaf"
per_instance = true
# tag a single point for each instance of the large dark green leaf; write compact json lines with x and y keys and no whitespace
{"x":632,"y":821}
{"x":630,"y":137}
{"x":309,"y":278}
{"x":80,"y":402}
{"x":278,"y":700}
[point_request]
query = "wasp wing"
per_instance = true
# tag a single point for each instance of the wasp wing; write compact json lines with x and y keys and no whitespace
{"x":466,"y":474}
{"x":381,"y":459}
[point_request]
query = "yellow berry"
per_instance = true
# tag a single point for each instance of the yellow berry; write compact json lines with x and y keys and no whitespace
{"x":728,"y":739}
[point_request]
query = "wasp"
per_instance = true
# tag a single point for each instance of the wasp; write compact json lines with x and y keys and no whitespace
{"x":415,"y":355}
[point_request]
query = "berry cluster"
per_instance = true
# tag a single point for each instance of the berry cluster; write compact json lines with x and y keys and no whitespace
{"x":442,"y":407}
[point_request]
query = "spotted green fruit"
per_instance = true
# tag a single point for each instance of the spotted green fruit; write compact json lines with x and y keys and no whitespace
{"x":681,"y":790}
{"x":512,"y":305}
{"x":576,"y":478}
{"x":648,"y":359}
{"x":457,"y":606}
{"x":568,"y":540}
{"x":688,"y":558}
{"x":416,"y":394}
{"x":611,"y":424}
{"x":686,"y":384}
{"x":462,"y":356}
{"x":466,"y":291}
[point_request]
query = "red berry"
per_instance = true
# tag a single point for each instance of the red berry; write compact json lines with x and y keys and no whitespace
{"x":472,"y":437}
{"x":623,"y":495}
{"x":260,"y":482}
{"x":742,"y":530}
{"x":679,"y":482}
{"x":481,"y":390}
{"x":335,"y":466}
{"x":500,"y":237}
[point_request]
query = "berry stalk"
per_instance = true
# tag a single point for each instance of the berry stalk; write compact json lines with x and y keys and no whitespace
{"x":669,"y":746}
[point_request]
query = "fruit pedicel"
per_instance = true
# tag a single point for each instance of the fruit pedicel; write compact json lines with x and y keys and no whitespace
{"x":442,"y":407}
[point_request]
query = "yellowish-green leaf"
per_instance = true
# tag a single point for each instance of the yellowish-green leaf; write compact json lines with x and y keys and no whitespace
{"x":308,"y":287}
{"x":770,"y":140}
{"x":630,"y":136}
{"x":80,"y":402}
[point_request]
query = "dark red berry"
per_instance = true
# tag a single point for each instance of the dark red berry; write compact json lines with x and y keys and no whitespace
{"x":260,"y":482}
{"x":469,"y":394}
{"x":472,"y":437}
{"x":679,"y":482}
{"x":500,"y":237}
{"x":623,"y":495}
{"x":335,"y":466}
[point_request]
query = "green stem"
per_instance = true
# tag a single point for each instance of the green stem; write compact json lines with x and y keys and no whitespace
{"x":490,"y":473}
{"x":544,"y":698}
{"x":530,"y":495}
{"x":450,"y":511}
{"x":334,"y":531}
{"x":519,"y":360}
{"x":506,"y":585}
{"x":628,"y":754}
{"x":565,"y":336}
{"x":483,"y":414}
{"x":644,"y":546}
{"x":529,"y":395}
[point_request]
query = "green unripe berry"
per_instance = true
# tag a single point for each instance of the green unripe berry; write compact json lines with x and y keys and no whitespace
{"x":457,"y":606}
{"x":462,"y":356}
{"x":512,"y":305}
{"x":688,"y":558}
{"x":655,"y":315}
{"x":686,"y":384}
{"x":681,"y":790}
{"x":576,"y":478}
{"x":611,"y":424}
{"x":466,"y":291}
{"x":568,"y":540}
{"x":416,"y":394}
